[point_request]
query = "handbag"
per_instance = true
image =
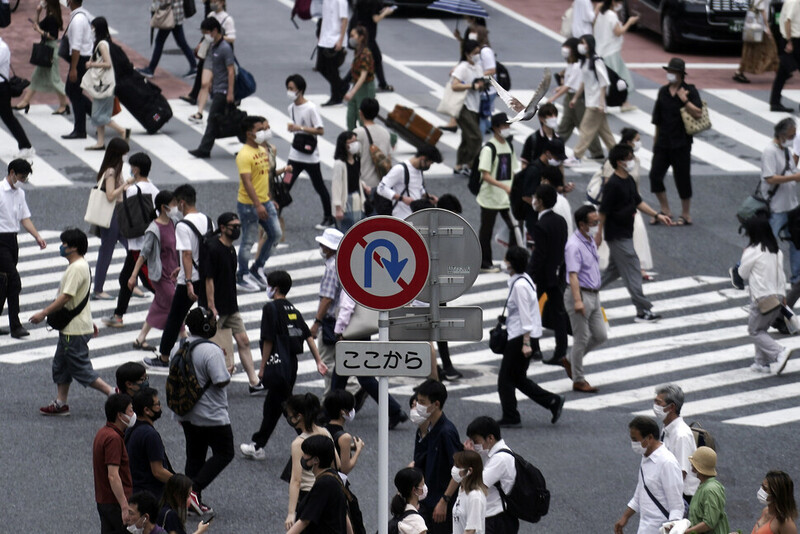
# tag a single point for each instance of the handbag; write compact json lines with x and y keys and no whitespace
{"x":755,"y":204}
{"x":695,"y":126}
{"x":229,"y":123}
{"x":59,"y":319}
{"x":41,"y":54}
{"x":278,"y":189}
{"x":753,"y":29}
{"x":99,"y":211}
{"x":99,"y":82}
{"x":363,"y":323}
{"x":303,"y":142}
{"x":135,"y":214}
{"x":381,"y":161}
{"x":117,"y":107}
{"x":189,"y":8}
{"x":16,"y":85}
{"x":278,"y":369}
{"x":328,"y":335}
{"x":244,"y":84}
{"x":498,"y":335}
{"x":452,"y":101}
{"x":163,"y":18}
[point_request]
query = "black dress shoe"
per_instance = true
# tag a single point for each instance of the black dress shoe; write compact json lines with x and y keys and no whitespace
{"x":333,"y":102}
{"x":19,"y":332}
{"x":782,"y":108}
{"x":4,"y":331}
{"x":557,"y":408}
{"x":74,"y":135}
{"x":400,"y":417}
{"x":189,"y":100}
{"x":509,"y":423}
{"x":200,"y":155}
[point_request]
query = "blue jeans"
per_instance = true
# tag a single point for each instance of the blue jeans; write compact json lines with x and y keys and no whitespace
{"x":487,"y":102}
{"x":776,"y":222}
{"x":250,"y":221}
{"x":109,"y":237}
{"x":180,"y":39}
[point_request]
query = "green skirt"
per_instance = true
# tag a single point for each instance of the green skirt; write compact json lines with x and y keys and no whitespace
{"x":48,"y":79}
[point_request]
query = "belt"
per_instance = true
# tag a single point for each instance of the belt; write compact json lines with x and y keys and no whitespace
{"x":589,"y":290}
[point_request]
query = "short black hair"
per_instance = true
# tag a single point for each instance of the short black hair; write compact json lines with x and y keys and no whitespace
{"x":211,"y":24}
{"x":129,"y":372}
{"x":434,"y":390}
{"x":628,"y":134}
{"x":370,"y":107}
{"x":116,"y":403}
{"x":186,"y":193}
{"x":141,"y":161}
{"x":449,"y":202}
{"x":74,"y":237}
{"x":144,"y":399}
{"x":307,"y":405}
{"x":249,"y":122}
{"x":517,"y":258}
{"x":20,"y":167}
{"x":554,"y":176}
{"x":619,"y":153}
{"x":582,"y":214}
{"x":318,"y":446}
{"x":548,"y":110}
{"x":646,"y":426}
{"x":163,"y":198}
{"x":336,"y":401}
{"x":281,"y":280}
{"x":484,"y":426}
{"x":298,"y":81}
{"x":547,"y":195}
{"x":146,"y":503}
{"x":199,"y":321}
{"x":430,"y":152}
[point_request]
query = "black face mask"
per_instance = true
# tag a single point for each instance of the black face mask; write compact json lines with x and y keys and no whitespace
{"x":235,"y":233}
{"x":305,"y":465}
{"x":156,"y":415}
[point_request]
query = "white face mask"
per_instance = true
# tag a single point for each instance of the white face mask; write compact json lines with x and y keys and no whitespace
{"x":291,"y":95}
{"x":416,"y":418}
{"x":630,"y":165}
{"x":476,"y":58}
{"x":477,"y":447}
{"x":618,"y":7}
{"x":424,"y":492}
{"x":472,"y":36}
{"x":354,"y":147}
{"x":262,"y":136}
{"x":420,"y":414}
{"x":637,"y":145}
{"x":565,"y":52}
{"x":638,"y":448}
{"x":788,"y":143}
{"x":551,"y":122}
{"x":593,"y":231}
{"x":207,"y":38}
{"x":349,"y":416}
{"x":175,"y":214}
{"x":353,"y":42}
{"x":131,"y":420}
{"x":582,"y":49}
{"x":762,"y":496}
{"x":270,"y":293}
{"x":554,"y":162}
{"x":133,"y":529}
{"x":659,"y":412}
{"x":672,"y":77}
{"x":455,"y":472}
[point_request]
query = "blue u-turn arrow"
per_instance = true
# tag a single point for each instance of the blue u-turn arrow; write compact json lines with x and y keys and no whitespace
{"x":394,"y":266}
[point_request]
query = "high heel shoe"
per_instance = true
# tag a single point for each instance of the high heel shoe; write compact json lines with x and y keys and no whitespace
{"x":65,"y":111}
{"x":24,"y":108}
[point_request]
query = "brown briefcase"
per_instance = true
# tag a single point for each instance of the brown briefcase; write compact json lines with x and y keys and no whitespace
{"x":416,"y":125}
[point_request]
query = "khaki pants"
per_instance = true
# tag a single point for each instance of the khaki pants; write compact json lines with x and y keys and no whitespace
{"x":571,"y":119}
{"x":594,"y":123}
{"x":588,"y":329}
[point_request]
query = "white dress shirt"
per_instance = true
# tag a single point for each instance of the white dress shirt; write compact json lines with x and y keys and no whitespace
{"x":664,"y":479}
{"x":5,"y":61}
{"x":582,"y":18}
{"x":522,"y":313}
{"x":679,"y":440}
{"x":13,"y":207}
{"x":763,"y":272}
{"x":394,"y":184}
{"x":333,"y":11}
{"x":594,"y":86}
{"x":79,"y":32}
{"x":498,"y":467}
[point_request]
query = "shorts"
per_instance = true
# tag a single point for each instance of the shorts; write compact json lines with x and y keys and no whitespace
{"x":71,"y":360}
{"x":232,"y":321}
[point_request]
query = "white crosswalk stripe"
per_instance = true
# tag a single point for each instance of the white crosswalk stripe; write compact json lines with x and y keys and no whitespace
{"x":701,"y":344}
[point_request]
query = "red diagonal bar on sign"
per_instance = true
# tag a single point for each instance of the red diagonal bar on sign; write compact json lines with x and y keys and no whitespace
{"x":378,"y":259}
{"x":402,"y":283}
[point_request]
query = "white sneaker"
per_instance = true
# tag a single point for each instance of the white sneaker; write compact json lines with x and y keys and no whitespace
{"x":780,"y":365}
{"x":255,"y":282}
{"x":758,"y":368}
{"x":26,"y":153}
{"x":572,"y":162}
{"x":246,"y":286}
{"x":249,"y":450}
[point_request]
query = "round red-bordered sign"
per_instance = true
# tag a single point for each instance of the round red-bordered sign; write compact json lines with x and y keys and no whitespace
{"x":383,"y":263}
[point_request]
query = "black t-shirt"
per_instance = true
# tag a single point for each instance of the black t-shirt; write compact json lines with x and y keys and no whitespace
{"x":168,"y":520}
{"x":671,"y":132}
{"x":353,"y":175}
{"x":271,"y":324}
{"x":49,"y":25}
{"x":144,"y":445}
{"x":221,"y":267}
{"x":325,"y":506}
{"x":365,"y":9}
{"x":532,"y":176}
{"x":534,"y":146}
{"x":620,"y":199}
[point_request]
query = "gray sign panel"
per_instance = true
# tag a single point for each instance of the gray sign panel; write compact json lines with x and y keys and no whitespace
{"x":455,"y":324}
{"x":383,"y":358}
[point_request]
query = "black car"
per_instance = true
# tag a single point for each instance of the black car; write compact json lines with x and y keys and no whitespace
{"x":685,"y":21}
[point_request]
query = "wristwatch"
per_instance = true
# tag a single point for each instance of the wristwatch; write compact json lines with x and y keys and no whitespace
{"x":446,"y":498}
{"x":317,"y":321}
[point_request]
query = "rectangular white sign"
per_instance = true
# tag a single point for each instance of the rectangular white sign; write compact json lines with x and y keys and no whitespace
{"x":383,"y":358}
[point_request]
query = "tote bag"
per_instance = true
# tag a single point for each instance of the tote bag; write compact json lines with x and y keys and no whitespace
{"x":452,"y":101}
{"x":163,"y":18}
{"x":99,"y":82}
{"x":99,"y":211}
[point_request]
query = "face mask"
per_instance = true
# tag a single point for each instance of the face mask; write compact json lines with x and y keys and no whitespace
{"x":416,"y":418}
{"x":472,"y":36}
{"x":131,"y":420}
{"x":762,"y":496}
{"x":424,"y":492}
{"x":292,"y":422}
{"x":593,"y":231}
{"x":354,"y":147}
{"x":788,"y":143}
{"x":476,"y":59}
{"x":455,"y":472}
{"x":630,"y":165}
{"x":423,"y":411}
{"x":671,"y":77}
{"x":553,"y":162}
{"x":133,"y":529}
{"x":305,"y":465}
{"x":659,"y":412}
{"x":618,"y":8}
{"x":565,"y":52}
{"x":551,"y":122}
{"x":62,"y":250}
{"x":207,"y":38}
{"x":214,"y":7}
{"x":262,"y":136}
{"x":145,"y":384}
{"x":291,"y":95}
{"x":349,"y":416}
{"x":270,"y":293}
{"x":637,"y":145}
{"x":637,"y":448}
{"x":175,"y":214}
{"x":477,"y":447}
{"x":235,"y":233}
{"x":156,"y":415}
{"x":582,"y":49}
{"x":353,"y":42}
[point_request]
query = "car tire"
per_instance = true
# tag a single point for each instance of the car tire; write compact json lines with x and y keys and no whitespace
{"x":668,"y":35}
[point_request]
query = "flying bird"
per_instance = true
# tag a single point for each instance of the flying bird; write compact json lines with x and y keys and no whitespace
{"x":524,"y":113}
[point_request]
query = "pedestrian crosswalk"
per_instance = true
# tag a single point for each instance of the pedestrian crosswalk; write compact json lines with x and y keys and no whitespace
{"x":701,"y":343}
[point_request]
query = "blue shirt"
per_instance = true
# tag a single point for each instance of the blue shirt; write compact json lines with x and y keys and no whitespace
{"x":433,"y":455}
{"x":580,"y":256}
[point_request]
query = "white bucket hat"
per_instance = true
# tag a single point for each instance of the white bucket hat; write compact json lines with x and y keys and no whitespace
{"x":330,"y":238}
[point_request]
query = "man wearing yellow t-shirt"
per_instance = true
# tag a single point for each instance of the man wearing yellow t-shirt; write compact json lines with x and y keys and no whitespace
{"x":254,"y":205}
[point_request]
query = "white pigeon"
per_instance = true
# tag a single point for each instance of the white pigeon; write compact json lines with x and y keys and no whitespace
{"x":524,"y":113}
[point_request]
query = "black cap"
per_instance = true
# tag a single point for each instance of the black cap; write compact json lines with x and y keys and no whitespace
{"x":499,"y":119}
{"x":225,"y":218}
{"x":676,"y":64}
{"x":430,"y":152}
{"x":556,"y":147}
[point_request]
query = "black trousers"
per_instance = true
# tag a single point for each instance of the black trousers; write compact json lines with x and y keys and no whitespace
{"x":513,"y":375}
{"x":198,"y":79}
{"x":788,"y":64}
{"x":219,"y":102}
{"x":377,"y":57}
{"x":680,"y":159}
{"x":10,"y":283}
{"x":81,"y":105}
{"x":181,"y":304}
{"x":488,"y":218}
{"x":446,"y":527}
{"x":273,"y":408}
{"x":7,"y":114}
{"x":557,"y":320}
{"x":315,"y":173}
{"x":124,"y":297}
{"x":328,"y":66}
{"x":111,"y":521}
{"x":199,"y":439}
{"x":502,"y":523}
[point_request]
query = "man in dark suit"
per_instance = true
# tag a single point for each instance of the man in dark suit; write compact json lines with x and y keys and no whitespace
{"x":547,"y":269}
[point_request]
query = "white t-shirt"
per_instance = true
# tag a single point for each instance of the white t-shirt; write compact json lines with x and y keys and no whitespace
{"x":412,"y":524}
{"x":305,"y":115}
{"x":582,"y":18}
{"x":227,"y":23}
{"x":606,"y":43}
{"x":572,"y":76}
{"x":469,"y":512}
{"x":333,"y":11}
{"x":594,"y":87}
{"x":563,"y":208}
{"x":79,"y":32}
{"x":185,"y":239}
{"x":394,"y":183}
{"x":466,"y":73}
{"x":135,"y":243}
{"x":488,"y":62}
{"x":773,"y":163}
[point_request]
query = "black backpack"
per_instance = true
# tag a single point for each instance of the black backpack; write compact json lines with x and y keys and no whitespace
{"x":529,"y":498}
{"x":135,"y":214}
{"x":384,"y":206}
{"x":394,"y":522}
{"x":475,"y":175}
{"x":183,"y":388}
{"x":502,"y":76}
{"x":614,"y":95}
{"x":202,"y":240}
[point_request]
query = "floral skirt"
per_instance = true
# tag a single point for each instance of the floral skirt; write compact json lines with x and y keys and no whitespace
{"x":758,"y":58}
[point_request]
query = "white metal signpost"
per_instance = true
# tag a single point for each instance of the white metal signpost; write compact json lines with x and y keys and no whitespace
{"x":383,"y":264}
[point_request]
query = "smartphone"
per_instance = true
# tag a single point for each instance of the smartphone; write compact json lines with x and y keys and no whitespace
{"x":208,"y":519}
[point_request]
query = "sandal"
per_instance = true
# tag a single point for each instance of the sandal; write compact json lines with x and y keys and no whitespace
{"x":654,"y":221}
{"x":197,"y":117}
{"x":682,"y":221}
{"x":386,"y":89}
{"x":646,"y":277}
{"x":142,"y":345}
{"x":741,"y":78}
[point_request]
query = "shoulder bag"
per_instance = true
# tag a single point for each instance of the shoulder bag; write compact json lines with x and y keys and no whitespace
{"x":189,"y":8}
{"x":64,"y":49}
{"x":278,"y":189}
{"x":99,"y":211}
{"x":99,"y":82}
{"x":384,"y":206}
{"x":452,"y":100}
{"x":382,"y":162}
{"x":278,"y":367}
{"x":135,"y":214}
{"x":695,"y":126}
{"x":498,"y":336}
{"x":163,"y":17}
{"x":41,"y":54}
{"x":755,"y":204}
{"x":16,"y":85}
{"x":244,"y":84}
{"x":303,"y":142}
{"x":59,"y":319}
